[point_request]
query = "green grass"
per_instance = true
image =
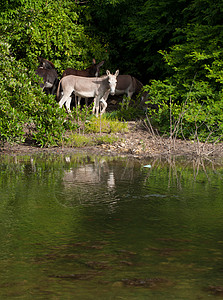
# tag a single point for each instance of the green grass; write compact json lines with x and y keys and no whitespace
{"x":80,"y":140}
{"x":106,"y":125}
{"x":96,"y":131}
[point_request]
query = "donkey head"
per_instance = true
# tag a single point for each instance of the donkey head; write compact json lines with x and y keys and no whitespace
{"x":95,"y":68}
{"x":112,"y":81}
{"x":45,"y":64}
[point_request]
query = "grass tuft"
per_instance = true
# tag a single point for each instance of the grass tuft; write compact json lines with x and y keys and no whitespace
{"x":80,"y":140}
{"x":106,"y":125}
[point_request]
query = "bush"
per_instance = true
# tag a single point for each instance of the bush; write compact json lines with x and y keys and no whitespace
{"x":191,"y":99}
{"x":24,"y":105}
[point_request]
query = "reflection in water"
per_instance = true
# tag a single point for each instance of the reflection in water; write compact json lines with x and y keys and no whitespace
{"x":94,"y":180}
{"x":108,"y":228}
{"x":86,"y":174}
{"x":111,"y":180}
{"x":96,"y":172}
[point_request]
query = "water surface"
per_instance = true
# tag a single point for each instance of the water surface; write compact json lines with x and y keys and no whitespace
{"x":93,"y":227}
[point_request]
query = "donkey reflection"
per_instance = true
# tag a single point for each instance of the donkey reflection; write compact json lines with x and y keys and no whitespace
{"x":95,"y":173}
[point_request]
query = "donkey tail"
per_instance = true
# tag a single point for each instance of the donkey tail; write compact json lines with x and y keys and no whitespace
{"x":138,"y":85}
{"x":59,"y":91}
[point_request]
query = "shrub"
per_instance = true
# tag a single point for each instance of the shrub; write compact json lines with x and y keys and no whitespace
{"x":191,"y":99}
{"x":23,"y":104}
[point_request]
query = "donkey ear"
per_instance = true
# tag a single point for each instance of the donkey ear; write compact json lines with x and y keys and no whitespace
{"x":108,"y":72}
{"x":40,"y":59}
{"x":116,"y":73}
{"x":101,"y":63}
{"x":94,"y":61}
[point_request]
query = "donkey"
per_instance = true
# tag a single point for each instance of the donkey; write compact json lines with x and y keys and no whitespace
{"x":92,"y":71}
{"x":44,"y":63}
{"x":128,"y":85}
{"x":47,"y":71}
{"x":86,"y":87}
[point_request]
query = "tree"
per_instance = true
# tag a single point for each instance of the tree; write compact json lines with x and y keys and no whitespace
{"x":52,"y":30}
{"x":195,"y":86}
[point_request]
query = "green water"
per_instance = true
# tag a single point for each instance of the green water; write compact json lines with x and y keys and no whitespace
{"x":84,"y":227}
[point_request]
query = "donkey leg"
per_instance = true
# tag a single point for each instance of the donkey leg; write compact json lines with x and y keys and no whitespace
{"x":67,"y":104}
{"x":78,"y":100}
{"x":55,"y":86}
{"x":64,"y":99}
{"x":97,"y":109}
{"x":130,"y":94}
{"x":103,"y":101}
{"x":130,"y":97}
{"x":104,"y":105}
{"x":96,"y":106}
{"x":93,"y":110}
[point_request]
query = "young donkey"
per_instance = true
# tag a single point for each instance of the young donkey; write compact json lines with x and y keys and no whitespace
{"x":86,"y":87}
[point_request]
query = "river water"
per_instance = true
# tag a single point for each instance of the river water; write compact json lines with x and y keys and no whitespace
{"x":97,"y":227}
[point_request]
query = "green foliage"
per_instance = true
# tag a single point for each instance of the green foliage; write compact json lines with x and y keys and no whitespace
{"x":135,"y":30}
{"x":88,"y":126}
{"x":111,"y":20}
{"x":52,"y":30}
{"x":82,"y":116}
{"x":129,"y":110}
{"x":191,"y":106}
{"x":106,"y":139}
{"x":191,"y":95}
{"x":23,"y":105}
{"x":152,"y":28}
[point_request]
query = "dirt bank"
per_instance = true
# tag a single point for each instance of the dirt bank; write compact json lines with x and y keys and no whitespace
{"x":137,"y":142}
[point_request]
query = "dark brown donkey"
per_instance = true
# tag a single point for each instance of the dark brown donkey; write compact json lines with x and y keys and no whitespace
{"x":92,"y":71}
{"x":47,"y":71}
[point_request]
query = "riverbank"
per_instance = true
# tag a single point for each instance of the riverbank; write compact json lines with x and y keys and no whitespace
{"x":137,"y":142}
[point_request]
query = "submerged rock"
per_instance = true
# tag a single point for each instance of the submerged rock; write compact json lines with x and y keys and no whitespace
{"x":216,"y":290}
{"x":148,"y":282}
